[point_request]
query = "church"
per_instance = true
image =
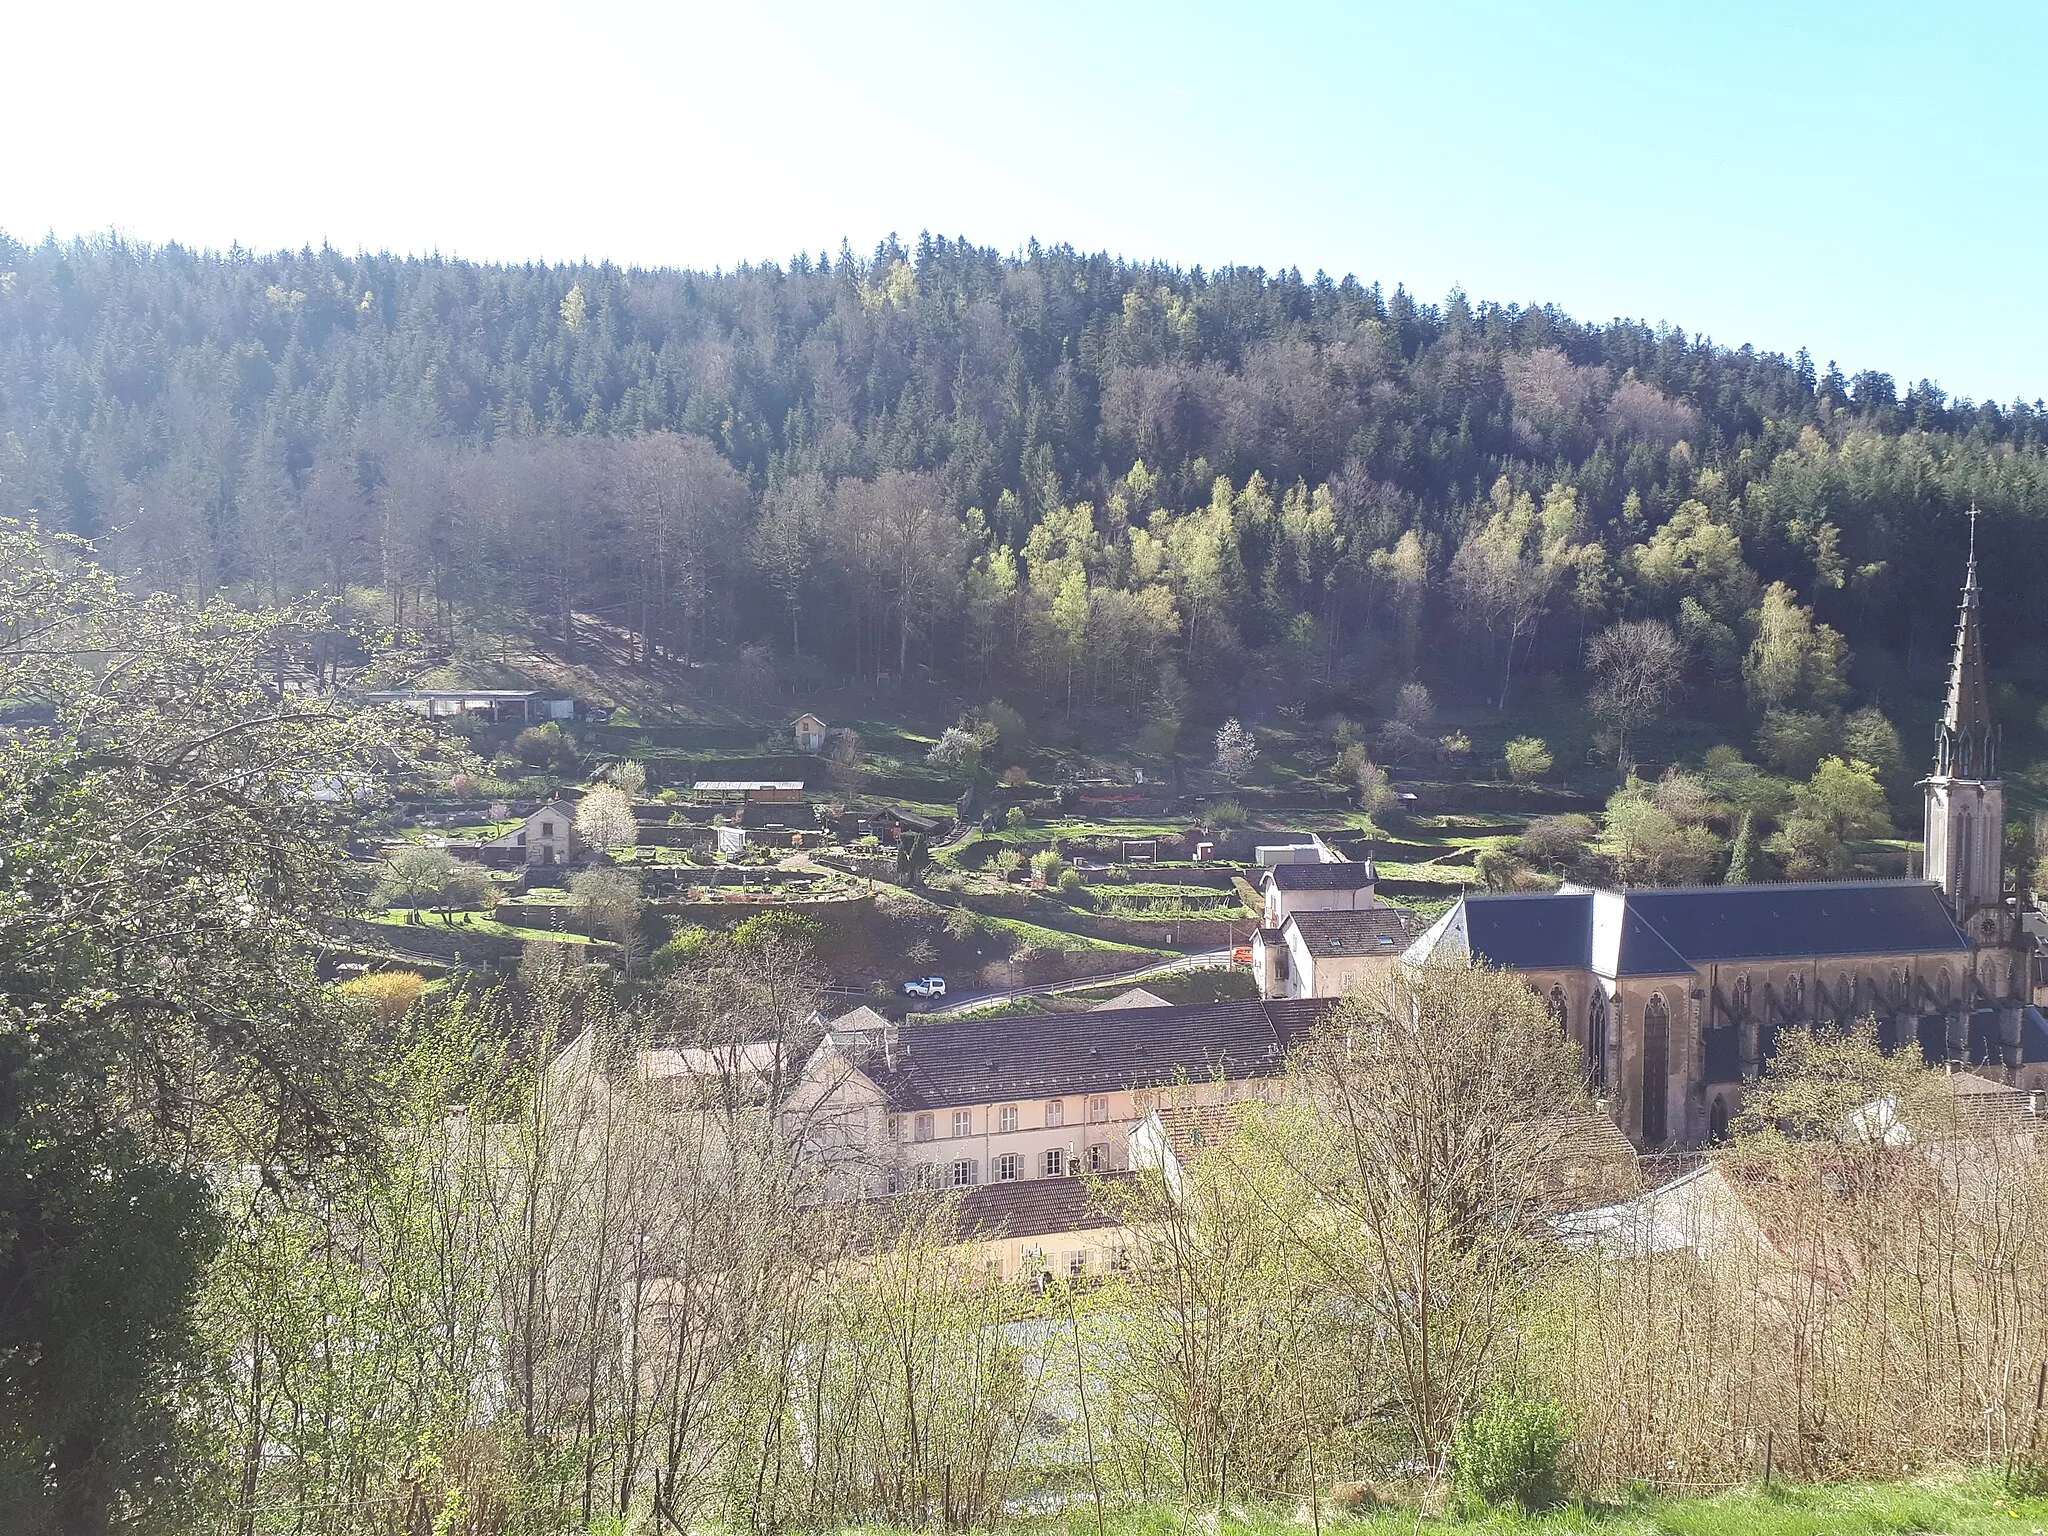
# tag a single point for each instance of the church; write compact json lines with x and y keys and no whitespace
{"x":1676,"y":997}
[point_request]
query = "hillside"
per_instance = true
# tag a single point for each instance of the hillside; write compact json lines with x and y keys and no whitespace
{"x":1122,"y":500}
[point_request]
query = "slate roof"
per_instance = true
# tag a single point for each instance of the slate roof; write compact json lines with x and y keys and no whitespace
{"x":1707,"y":924}
{"x":1136,"y":997}
{"x":1649,"y":932}
{"x":1375,"y":931}
{"x":1322,"y":877}
{"x":978,"y":1061}
{"x":1529,"y":931}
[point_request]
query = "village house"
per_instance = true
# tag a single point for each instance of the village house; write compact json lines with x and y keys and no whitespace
{"x":810,"y":733}
{"x":972,"y":1102}
{"x":1322,"y":931}
{"x":547,"y":836}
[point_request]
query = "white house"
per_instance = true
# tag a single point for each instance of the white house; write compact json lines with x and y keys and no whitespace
{"x":972,"y":1102}
{"x":1323,"y":931}
{"x":548,"y":835}
{"x":810,"y":733}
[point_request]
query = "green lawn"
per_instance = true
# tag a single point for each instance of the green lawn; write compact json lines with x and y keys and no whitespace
{"x":396,"y":918}
{"x":1969,"y":1505}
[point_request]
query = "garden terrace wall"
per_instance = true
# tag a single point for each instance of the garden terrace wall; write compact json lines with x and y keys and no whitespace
{"x":1527,"y":799}
{"x":1149,"y":933}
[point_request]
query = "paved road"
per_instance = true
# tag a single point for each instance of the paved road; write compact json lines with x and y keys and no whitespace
{"x":1207,"y":959}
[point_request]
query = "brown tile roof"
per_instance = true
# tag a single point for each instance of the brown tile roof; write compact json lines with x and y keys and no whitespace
{"x":978,"y":1061}
{"x":1375,"y":931}
{"x":1037,"y":1207}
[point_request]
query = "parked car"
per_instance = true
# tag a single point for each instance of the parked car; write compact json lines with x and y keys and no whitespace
{"x":925,"y":986}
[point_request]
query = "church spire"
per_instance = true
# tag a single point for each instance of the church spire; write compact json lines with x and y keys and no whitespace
{"x":1966,"y":747}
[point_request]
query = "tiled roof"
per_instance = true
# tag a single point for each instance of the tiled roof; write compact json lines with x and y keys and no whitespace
{"x":1322,"y":877}
{"x":979,"y":1061}
{"x":1706,"y":924}
{"x":1375,"y":931}
{"x":1036,"y":1207}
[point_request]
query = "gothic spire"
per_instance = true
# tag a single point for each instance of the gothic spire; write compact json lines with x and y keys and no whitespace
{"x":1966,"y":746}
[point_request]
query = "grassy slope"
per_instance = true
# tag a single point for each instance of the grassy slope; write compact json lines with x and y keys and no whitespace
{"x":1958,"y":1506}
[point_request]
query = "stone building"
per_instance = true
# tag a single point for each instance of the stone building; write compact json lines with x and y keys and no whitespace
{"x":1676,"y":998}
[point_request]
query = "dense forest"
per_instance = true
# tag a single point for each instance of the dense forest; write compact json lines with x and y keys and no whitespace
{"x":1071,"y":481}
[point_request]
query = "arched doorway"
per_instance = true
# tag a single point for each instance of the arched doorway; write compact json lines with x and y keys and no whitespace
{"x":1656,"y":1070}
{"x":1717,"y":1119}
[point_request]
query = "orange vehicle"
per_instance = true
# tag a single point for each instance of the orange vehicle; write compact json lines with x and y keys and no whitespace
{"x":1242,"y":955}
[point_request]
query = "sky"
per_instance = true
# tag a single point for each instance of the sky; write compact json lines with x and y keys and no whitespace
{"x":1865,"y":180}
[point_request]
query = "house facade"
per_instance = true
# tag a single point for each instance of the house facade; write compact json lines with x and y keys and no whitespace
{"x":969,"y":1103}
{"x":810,"y":733}
{"x":1323,"y":932}
{"x":546,"y":837}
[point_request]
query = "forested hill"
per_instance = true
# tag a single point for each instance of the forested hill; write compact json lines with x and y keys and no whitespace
{"x":1059,"y":478}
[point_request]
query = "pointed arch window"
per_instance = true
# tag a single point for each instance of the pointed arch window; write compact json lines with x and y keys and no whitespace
{"x":1656,"y":1070}
{"x":1596,"y":1040}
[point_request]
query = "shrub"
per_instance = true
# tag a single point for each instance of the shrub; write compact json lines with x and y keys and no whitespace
{"x":547,"y":747}
{"x":962,"y":925}
{"x":1223,"y":813}
{"x":1016,"y":776}
{"x":1014,"y":817}
{"x":1507,"y":1453}
{"x":1046,"y":865}
{"x":1008,"y":862}
{"x":1528,"y":759}
{"x":778,"y":928}
{"x":688,"y":947}
{"x":387,"y":994}
{"x":1070,"y":881}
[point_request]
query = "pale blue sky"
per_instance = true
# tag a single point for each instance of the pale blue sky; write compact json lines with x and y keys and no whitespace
{"x":1866,"y":180}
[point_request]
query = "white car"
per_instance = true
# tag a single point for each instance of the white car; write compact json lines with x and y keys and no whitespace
{"x":925,"y":986}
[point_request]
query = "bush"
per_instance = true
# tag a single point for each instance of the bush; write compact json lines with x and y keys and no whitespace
{"x":962,"y":925}
{"x":779,"y":928}
{"x":1528,"y":759}
{"x":1046,"y":865}
{"x":1507,"y":1453}
{"x":687,"y":948}
{"x":1014,"y":817}
{"x":387,"y":994}
{"x":1070,"y":881}
{"x":547,"y":747}
{"x":1223,"y":813}
{"x":1008,"y":862}
{"x":1016,"y":776}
